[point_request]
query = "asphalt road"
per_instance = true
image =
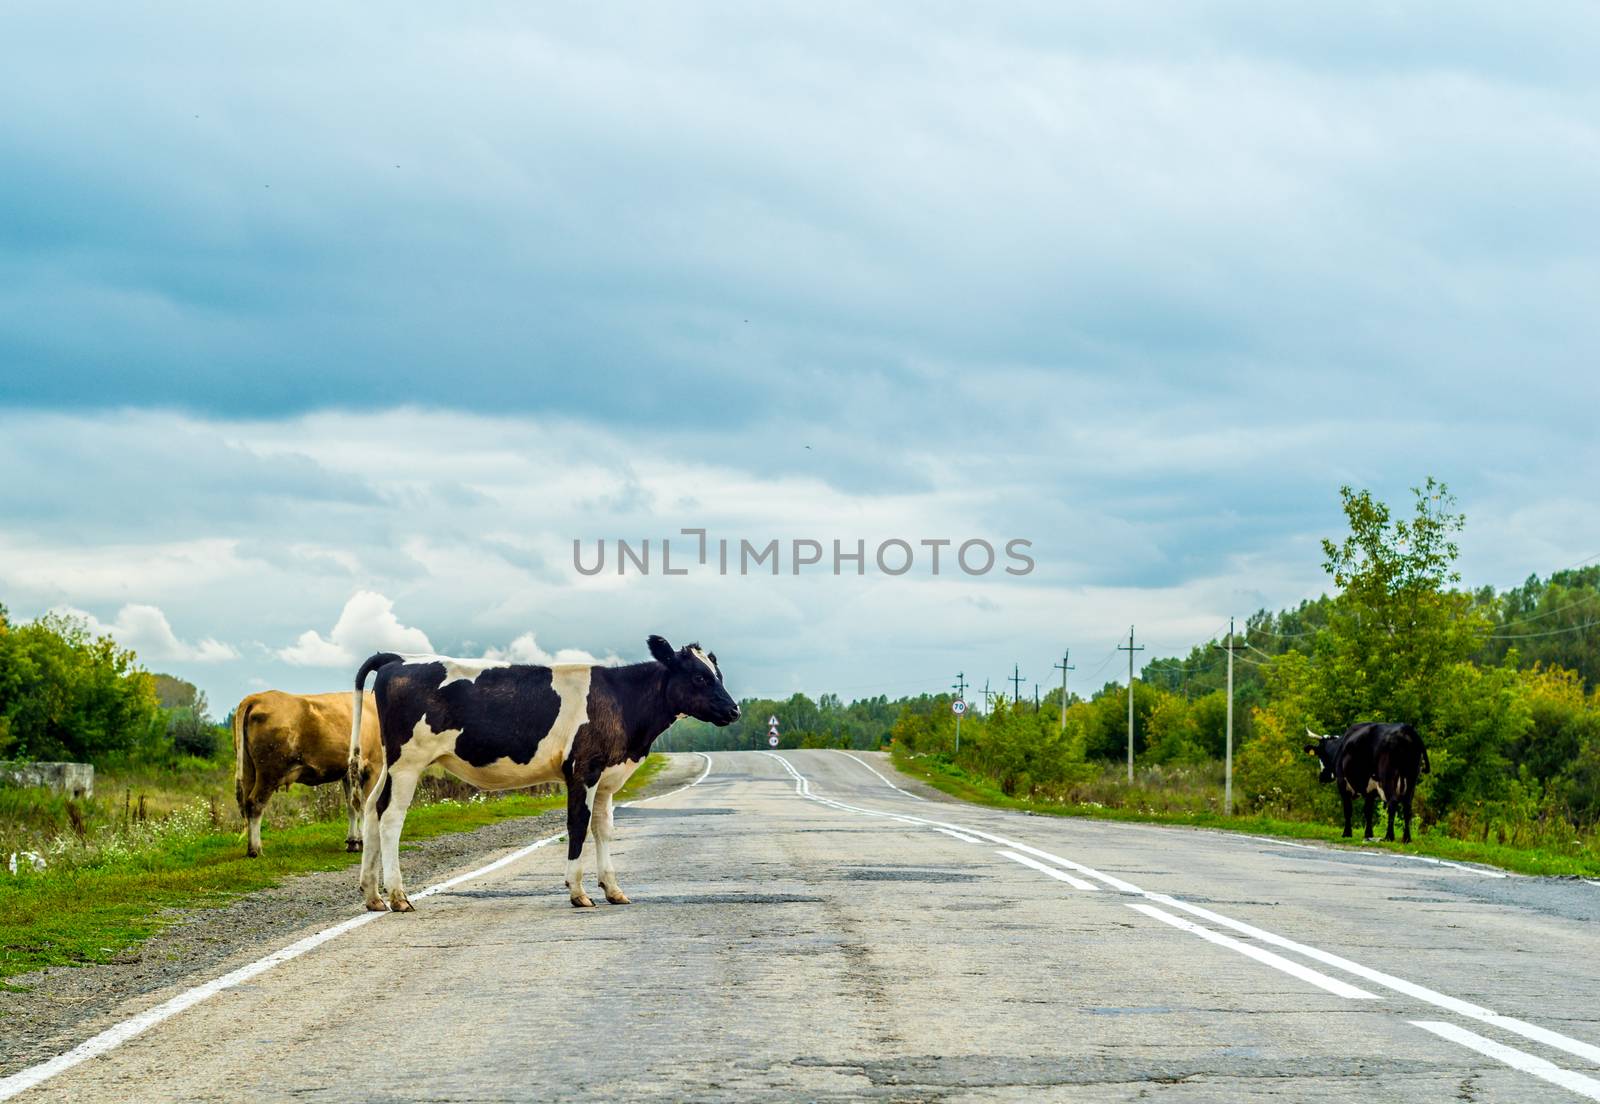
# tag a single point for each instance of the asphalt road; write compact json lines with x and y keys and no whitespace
{"x":841,"y":946}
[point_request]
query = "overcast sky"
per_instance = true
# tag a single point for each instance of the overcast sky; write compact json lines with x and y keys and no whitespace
{"x":329,"y":329}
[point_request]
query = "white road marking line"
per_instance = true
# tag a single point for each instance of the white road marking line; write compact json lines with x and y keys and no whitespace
{"x":1277,"y":962}
{"x":1282,"y":843}
{"x":1586,"y":881}
{"x":680,"y":789}
{"x":1516,"y":1059}
{"x":962,"y":836}
{"x":1478,"y":870}
{"x":113,"y":1037}
{"x":1059,"y":875}
{"x":1587,"y":1051}
{"x":881,"y":778}
{"x":1554,"y":1039}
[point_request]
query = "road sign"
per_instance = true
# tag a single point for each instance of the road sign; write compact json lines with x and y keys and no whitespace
{"x":772,"y":739}
{"x":958,"y":707}
{"x":772,"y":721}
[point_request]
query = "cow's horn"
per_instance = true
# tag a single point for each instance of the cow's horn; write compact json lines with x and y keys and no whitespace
{"x":1313,"y":735}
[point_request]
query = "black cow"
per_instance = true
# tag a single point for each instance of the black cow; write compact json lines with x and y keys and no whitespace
{"x":501,"y":726}
{"x":1375,"y":760}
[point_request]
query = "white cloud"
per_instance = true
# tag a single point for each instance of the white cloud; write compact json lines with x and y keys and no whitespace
{"x":367,"y":624}
{"x":1216,"y":517}
{"x":146,"y":630}
{"x":526,"y":649}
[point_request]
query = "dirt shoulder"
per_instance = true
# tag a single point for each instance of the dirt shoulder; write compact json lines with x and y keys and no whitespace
{"x":65,"y":1005}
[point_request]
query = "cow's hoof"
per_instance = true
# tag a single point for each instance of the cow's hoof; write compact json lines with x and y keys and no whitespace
{"x":399,"y":902}
{"x":352,"y":846}
{"x":1368,"y":839}
{"x":582,"y":901}
{"x":249,"y":854}
{"x":375,"y":904}
{"x":617,"y":897}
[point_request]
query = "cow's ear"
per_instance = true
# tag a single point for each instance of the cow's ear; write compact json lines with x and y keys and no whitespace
{"x":1311,"y":749}
{"x":661,"y":650}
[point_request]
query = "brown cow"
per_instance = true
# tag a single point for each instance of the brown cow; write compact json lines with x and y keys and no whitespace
{"x":281,"y":738}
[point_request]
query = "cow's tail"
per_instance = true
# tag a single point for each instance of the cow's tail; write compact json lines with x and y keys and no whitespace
{"x":244,"y":768}
{"x":353,"y":767}
{"x":1426,"y":767}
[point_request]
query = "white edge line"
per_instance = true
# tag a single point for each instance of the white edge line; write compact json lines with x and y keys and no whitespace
{"x":881,"y":778}
{"x":1576,"y":1047}
{"x":136,"y":1025}
{"x":962,"y":836}
{"x":1516,"y":1059}
{"x":680,"y":789}
{"x":1282,"y":843}
{"x":1481,"y":872}
{"x":1059,"y":875}
{"x":1278,"y":962}
{"x":1554,"y":1039}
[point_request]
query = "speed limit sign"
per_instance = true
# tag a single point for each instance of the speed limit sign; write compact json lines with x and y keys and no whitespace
{"x":958,"y":707}
{"x":772,"y":741}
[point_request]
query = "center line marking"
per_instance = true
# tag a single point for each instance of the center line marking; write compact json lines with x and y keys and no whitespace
{"x":1059,"y":875}
{"x":1278,"y":962}
{"x":1516,"y":1059}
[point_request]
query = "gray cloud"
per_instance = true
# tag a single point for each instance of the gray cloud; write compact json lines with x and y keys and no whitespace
{"x":404,"y":305}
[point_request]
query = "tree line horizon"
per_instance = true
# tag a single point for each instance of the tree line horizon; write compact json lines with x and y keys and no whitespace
{"x":1501,"y":684}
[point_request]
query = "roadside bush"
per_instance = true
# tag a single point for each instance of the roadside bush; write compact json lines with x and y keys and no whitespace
{"x":191,"y":734}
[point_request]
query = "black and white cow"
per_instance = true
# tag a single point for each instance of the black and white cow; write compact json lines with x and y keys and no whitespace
{"x":501,"y":726}
{"x":1377,"y":761}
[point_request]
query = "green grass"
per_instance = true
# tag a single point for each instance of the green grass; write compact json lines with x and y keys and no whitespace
{"x":98,"y":910}
{"x":952,"y":780}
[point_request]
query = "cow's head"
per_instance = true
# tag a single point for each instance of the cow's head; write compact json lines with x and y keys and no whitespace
{"x":694,"y":683}
{"x":1326,"y":750}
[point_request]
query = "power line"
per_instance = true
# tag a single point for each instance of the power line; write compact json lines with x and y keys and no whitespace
{"x":1548,"y":632}
{"x":1280,"y":635}
{"x":1586,"y":600}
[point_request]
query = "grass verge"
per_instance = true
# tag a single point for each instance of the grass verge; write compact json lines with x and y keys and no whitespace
{"x":957,"y":783}
{"x":96,"y":913}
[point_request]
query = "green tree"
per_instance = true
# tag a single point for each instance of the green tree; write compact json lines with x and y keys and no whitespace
{"x":67,"y":695}
{"x":1395,"y":626}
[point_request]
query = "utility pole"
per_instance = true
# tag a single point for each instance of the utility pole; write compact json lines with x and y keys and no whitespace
{"x":961,"y":692}
{"x":1130,"y":649}
{"x":986,"y":694}
{"x":1016,"y":684}
{"x":1064,"y":667}
{"x":1227,"y":772}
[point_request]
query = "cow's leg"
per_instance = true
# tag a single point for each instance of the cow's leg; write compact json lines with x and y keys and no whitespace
{"x":603,"y":835}
{"x":1369,"y":813}
{"x":1405,"y":816}
{"x":580,"y":807}
{"x":1390,"y":800}
{"x":255,"y":803}
{"x":1349,"y":812}
{"x":400,"y":787}
{"x":353,"y":811}
{"x":370,"y":856}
